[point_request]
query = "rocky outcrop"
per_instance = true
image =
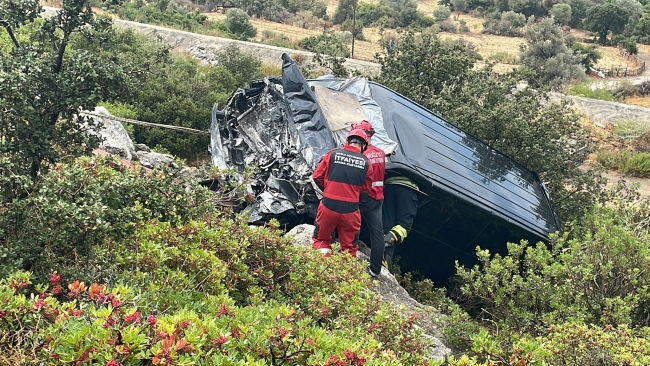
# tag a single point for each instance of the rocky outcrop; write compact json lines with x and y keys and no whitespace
{"x":387,"y":287}
{"x":115,"y":139}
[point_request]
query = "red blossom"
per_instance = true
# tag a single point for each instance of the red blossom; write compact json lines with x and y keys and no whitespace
{"x":221,"y":340}
{"x":116,"y":303}
{"x":235,"y":333}
{"x":39,"y":304}
{"x":112,"y":362}
{"x":133,"y":318}
{"x":55,"y":279}
{"x":151,"y":320}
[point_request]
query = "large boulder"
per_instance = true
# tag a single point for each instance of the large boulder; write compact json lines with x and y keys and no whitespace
{"x":387,"y":287}
{"x":115,"y":139}
{"x":154,"y":160}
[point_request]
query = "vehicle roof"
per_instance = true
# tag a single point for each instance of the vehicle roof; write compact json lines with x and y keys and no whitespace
{"x":462,"y":165}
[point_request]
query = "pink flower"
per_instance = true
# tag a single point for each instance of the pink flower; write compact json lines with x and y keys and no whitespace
{"x":133,"y":318}
{"x":39,"y":304}
{"x":151,"y":320}
{"x":112,"y":362}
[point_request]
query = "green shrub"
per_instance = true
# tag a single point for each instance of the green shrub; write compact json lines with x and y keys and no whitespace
{"x":632,"y":163}
{"x":585,"y":90}
{"x":171,"y":302}
{"x":595,"y":277}
{"x":442,"y":13}
{"x":84,"y":202}
{"x":181,"y":93}
{"x":238,"y":22}
{"x":244,"y":67}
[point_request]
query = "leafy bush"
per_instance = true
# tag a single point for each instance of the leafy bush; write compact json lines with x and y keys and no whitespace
{"x":505,"y":24}
{"x":181,"y":93}
{"x":447,"y":26}
{"x":503,"y":57}
{"x":633,"y":163}
{"x":81,"y":203}
{"x":463,"y":27}
{"x":171,"y":303}
{"x":590,"y":52}
{"x":595,"y":277}
{"x":442,"y":13}
{"x":244,"y":67}
{"x":625,"y":89}
{"x":325,"y":43}
{"x":238,"y":22}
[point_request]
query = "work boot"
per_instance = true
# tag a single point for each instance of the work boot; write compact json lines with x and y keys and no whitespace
{"x":371,"y":273}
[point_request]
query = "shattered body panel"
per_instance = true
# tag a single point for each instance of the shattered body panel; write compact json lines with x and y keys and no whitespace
{"x":471,"y":194}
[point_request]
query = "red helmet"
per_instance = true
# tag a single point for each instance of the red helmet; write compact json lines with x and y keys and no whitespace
{"x":365,"y":126}
{"x":358,"y":135}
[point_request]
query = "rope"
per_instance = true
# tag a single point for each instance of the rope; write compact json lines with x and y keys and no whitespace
{"x":149,"y":124}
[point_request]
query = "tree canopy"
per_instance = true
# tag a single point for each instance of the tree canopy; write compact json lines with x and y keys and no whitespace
{"x":543,"y":136}
{"x":44,"y":84}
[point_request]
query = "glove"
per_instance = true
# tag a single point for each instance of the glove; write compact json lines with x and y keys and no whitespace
{"x":390,"y":238}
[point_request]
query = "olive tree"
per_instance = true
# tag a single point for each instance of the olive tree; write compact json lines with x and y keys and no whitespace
{"x":544,"y":136}
{"x":561,"y":13}
{"x":546,"y":58}
{"x":44,"y":83}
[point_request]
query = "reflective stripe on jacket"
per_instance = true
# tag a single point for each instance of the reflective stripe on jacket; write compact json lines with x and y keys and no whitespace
{"x":377,"y":159}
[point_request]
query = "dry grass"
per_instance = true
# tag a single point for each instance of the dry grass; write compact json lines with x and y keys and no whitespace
{"x":639,"y":101}
{"x":612,"y":58}
{"x":52,"y":3}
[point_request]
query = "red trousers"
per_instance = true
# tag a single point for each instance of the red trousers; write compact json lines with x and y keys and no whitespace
{"x":347,"y":226}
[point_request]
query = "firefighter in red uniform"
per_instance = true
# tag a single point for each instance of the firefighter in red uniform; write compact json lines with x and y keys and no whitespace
{"x":370,"y":204}
{"x":342,"y":175}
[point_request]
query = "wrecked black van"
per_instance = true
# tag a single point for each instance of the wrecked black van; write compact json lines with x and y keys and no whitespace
{"x":472,"y":195}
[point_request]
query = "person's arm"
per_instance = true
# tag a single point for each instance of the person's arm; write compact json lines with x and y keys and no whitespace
{"x":405,"y":215}
{"x":319,"y":174}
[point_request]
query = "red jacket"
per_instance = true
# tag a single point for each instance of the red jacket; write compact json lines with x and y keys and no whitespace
{"x":343,"y":174}
{"x":377,"y":159}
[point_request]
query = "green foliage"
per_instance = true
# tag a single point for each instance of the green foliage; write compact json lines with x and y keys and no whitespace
{"x":442,"y":13}
{"x":238,"y":22}
{"x":561,"y":13}
{"x":632,"y":163}
{"x":171,"y":302}
{"x":370,"y":14}
{"x":546,"y":57}
{"x":596,"y":277}
{"x":535,"y":132}
{"x":505,"y":24}
{"x":630,"y":129}
{"x":242,"y":66}
{"x":590,"y":52}
{"x":504,"y":58}
{"x":586,"y":90}
{"x":344,"y":11}
{"x":79,"y":204}
{"x":155,"y":13}
{"x":330,"y":52}
{"x":181,"y":93}
{"x":607,"y":17}
{"x":44,"y":83}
